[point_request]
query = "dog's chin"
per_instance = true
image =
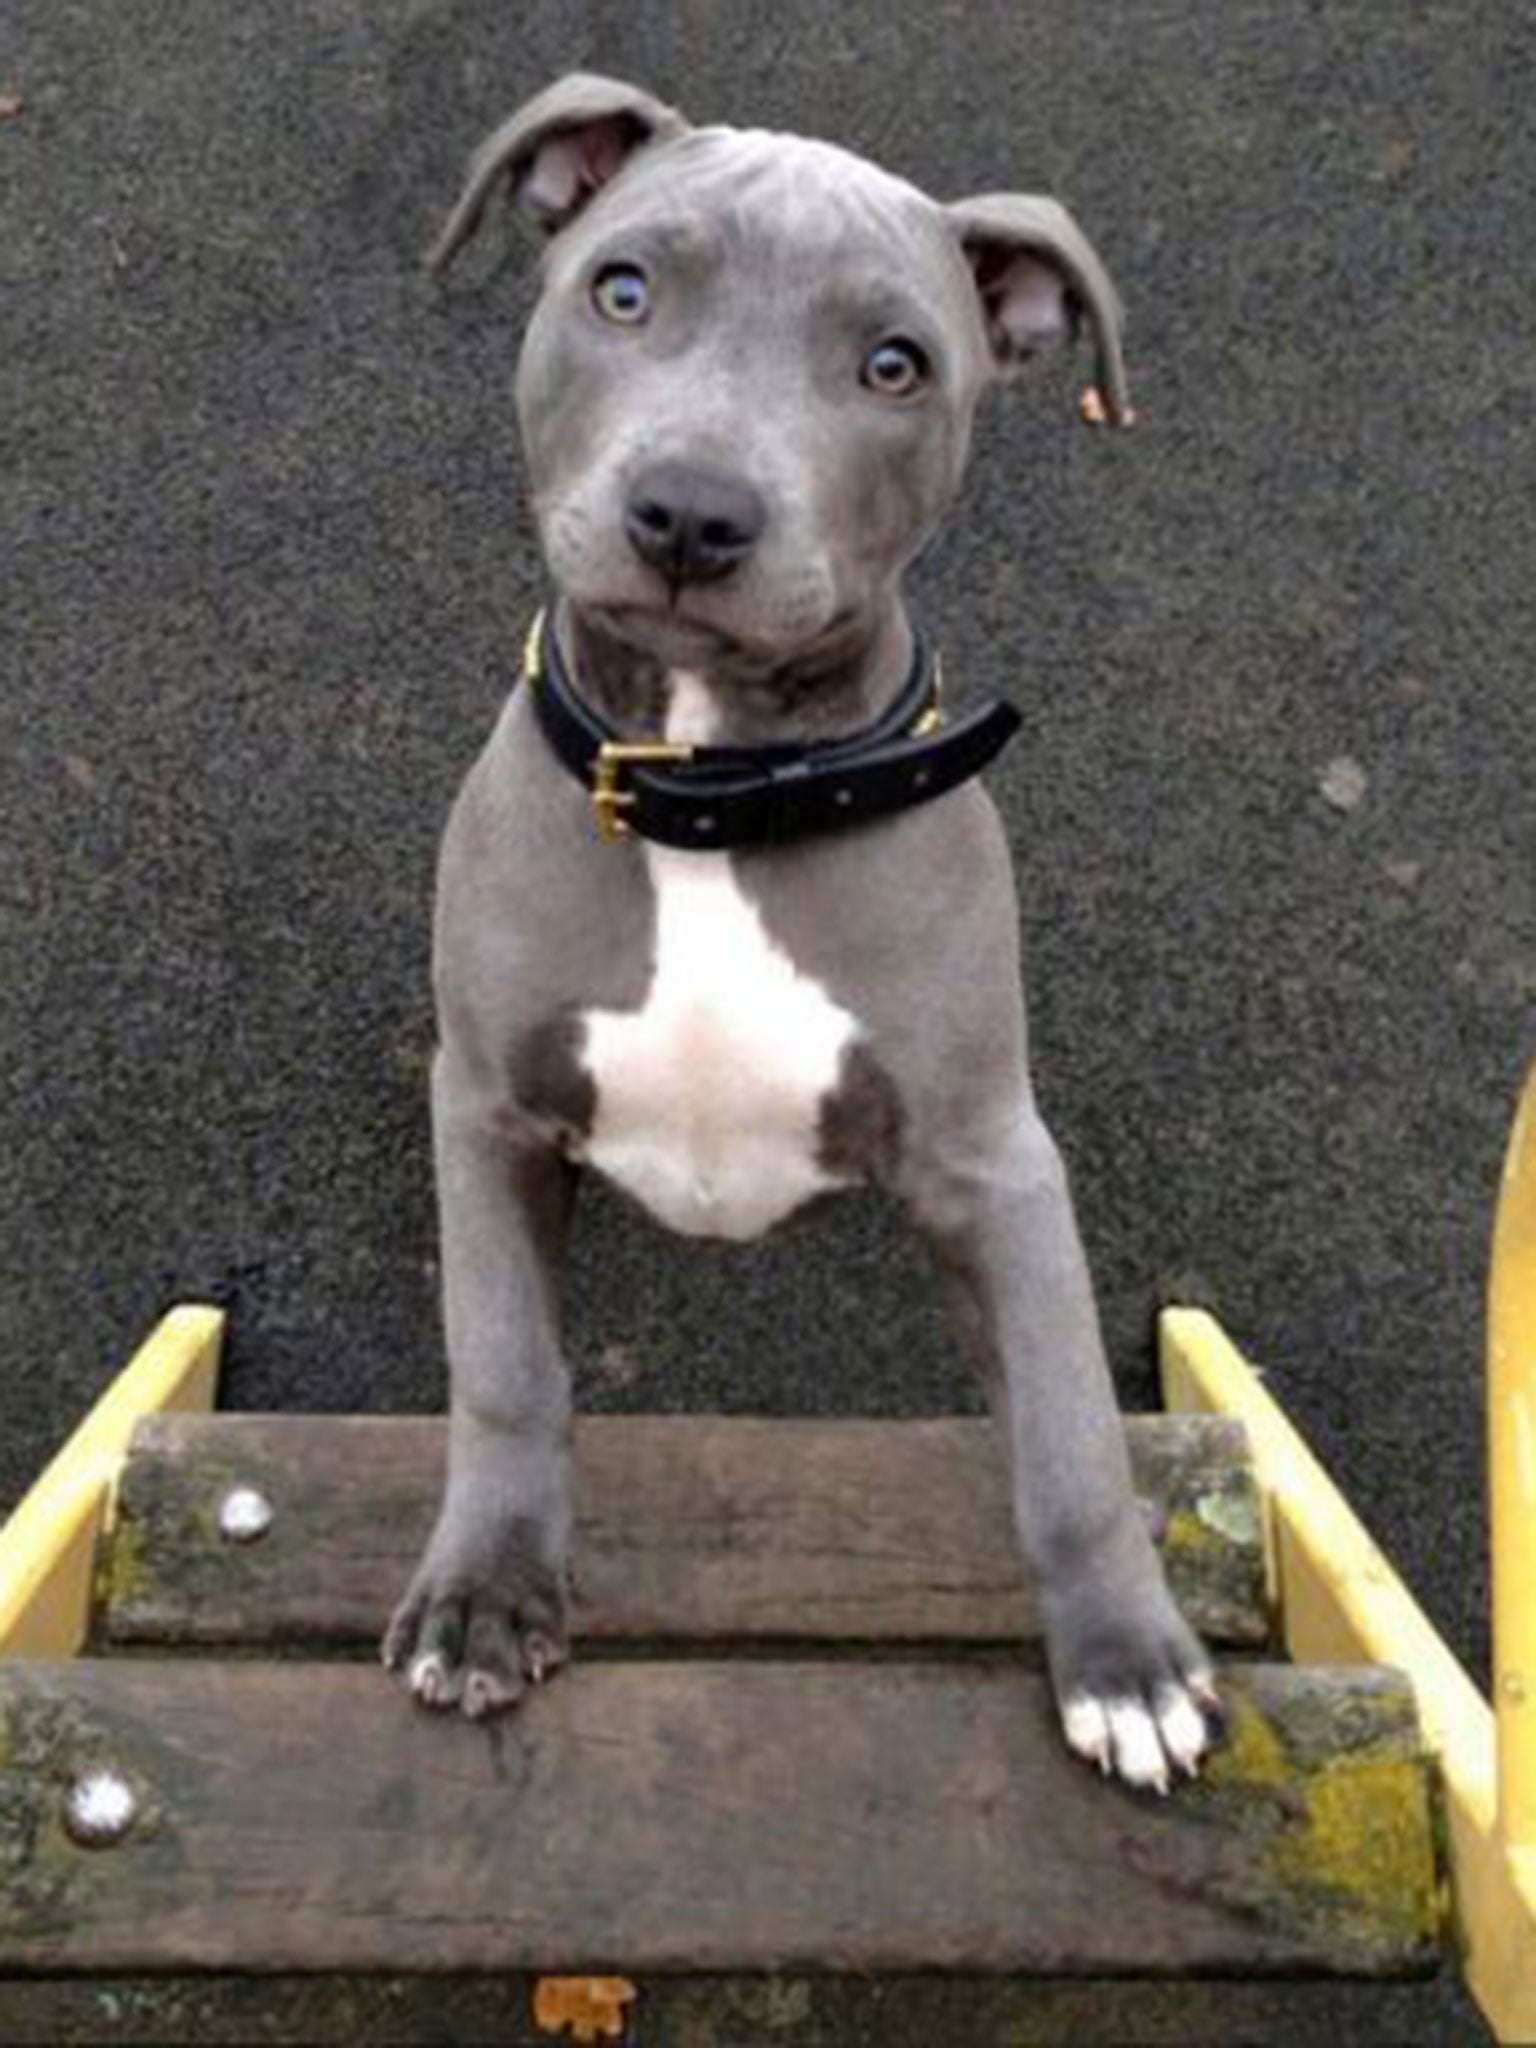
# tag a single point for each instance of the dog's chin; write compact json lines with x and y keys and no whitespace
{"x":673,"y":638}
{"x":684,"y":637}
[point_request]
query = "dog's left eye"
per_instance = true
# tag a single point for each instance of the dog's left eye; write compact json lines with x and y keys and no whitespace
{"x":621,"y":294}
{"x":896,"y":368}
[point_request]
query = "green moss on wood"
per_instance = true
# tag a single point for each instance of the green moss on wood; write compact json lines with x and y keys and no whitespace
{"x":1189,"y":1535}
{"x":1251,"y":1755}
{"x":1343,"y":1802}
{"x":123,"y":1567}
{"x":1364,"y":1846}
{"x":1213,"y":1551}
{"x":48,"y":1881}
{"x":1233,"y":1514}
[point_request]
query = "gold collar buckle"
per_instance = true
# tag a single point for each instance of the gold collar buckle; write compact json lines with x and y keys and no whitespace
{"x":932,"y":719}
{"x":533,"y":649}
{"x":608,"y":799}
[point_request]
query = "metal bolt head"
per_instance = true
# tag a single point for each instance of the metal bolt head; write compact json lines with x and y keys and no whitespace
{"x":245,"y":1515}
{"x":100,"y":1807}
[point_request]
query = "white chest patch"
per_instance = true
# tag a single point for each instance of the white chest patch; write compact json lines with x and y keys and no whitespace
{"x":709,"y":1095}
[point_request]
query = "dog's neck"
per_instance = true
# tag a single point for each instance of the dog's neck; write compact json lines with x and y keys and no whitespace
{"x":836,"y":692}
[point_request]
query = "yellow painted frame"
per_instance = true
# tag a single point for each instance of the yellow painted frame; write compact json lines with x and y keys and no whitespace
{"x":48,"y":1546}
{"x":1512,"y":1475}
{"x":1337,"y":1599}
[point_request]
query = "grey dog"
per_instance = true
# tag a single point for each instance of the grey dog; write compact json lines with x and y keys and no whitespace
{"x":746,"y":395}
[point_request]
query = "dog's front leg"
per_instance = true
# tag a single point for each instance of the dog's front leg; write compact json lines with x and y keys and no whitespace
{"x":1130,"y":1677}
{"x":487,"y":1606}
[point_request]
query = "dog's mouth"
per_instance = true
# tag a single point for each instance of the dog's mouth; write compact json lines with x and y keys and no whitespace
{"x":681,"y":636}
{"x":672,"y":633}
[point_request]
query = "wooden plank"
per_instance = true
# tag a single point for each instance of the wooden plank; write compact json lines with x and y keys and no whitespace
{"x":651,"y":1817}
{"x":48,"y":1546}
{"x":688,"y":1527}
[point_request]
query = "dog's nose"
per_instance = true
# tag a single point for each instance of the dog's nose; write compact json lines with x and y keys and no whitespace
{"x":691,"y":526}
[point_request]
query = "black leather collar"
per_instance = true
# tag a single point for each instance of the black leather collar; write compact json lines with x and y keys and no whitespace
{"x":713,"y":797}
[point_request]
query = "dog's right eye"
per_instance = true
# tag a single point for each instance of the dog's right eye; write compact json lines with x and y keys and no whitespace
{"x":896,"y":368}
{"x":621,"y":294}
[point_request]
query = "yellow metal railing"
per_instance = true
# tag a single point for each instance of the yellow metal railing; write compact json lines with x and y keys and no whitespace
{"x":1512,"y":1478}
{"x":48,"y":1546}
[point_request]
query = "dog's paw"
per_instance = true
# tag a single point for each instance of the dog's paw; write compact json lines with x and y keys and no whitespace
{"x":476,"y":1647}
{"x":1147,"y":1740}
{"x":1136,"y":1692}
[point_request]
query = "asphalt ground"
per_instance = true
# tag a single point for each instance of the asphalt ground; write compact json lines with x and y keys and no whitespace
{"x":265,"y":565}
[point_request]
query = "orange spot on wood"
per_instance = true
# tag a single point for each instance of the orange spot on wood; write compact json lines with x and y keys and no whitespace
{"x":587,"y":2008}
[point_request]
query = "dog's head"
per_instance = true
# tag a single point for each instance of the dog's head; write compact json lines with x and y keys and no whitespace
{"x":747,"y":389}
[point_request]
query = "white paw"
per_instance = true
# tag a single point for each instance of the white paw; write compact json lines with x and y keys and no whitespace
{"x":1140,"y":1742}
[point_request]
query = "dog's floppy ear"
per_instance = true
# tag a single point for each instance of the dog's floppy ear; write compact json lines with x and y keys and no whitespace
{"x":1037,"y":276}
{"x":556,"y":152}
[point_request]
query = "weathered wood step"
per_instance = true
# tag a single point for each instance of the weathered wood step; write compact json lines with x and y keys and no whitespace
{"x":696,"y":1528}
{"x":747,"y":1816}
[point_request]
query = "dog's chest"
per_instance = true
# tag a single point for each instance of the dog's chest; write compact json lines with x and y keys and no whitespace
{"x":709,"y":1096}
